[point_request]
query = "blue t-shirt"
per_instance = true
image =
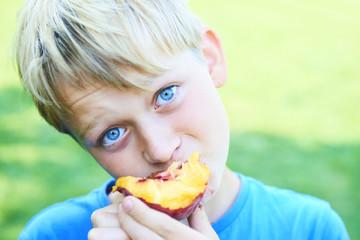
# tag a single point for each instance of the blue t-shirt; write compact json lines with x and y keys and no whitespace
{"x":259,"y":212}
{"x":68,"y":220}
{"x":265,"y":212}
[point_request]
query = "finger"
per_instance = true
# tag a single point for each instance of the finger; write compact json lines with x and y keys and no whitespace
{"x":107,"y":234}
{"x":115,"y":197}
{"x":134,"y":229}
{"x":105,"y":220}
{"x":200,"y":222}
{"x":158,"y":222}
{"x":112,"y":208}
{"x":105,"y":217}
{"x":148,"y":217}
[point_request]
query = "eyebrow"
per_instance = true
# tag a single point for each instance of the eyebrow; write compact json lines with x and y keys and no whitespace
{"x":90,"y":126}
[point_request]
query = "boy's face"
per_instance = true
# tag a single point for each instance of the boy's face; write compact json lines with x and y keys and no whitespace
{"x":135,"y":132}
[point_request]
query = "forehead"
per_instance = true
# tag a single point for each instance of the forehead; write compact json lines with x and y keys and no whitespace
{"x":177,"y":65}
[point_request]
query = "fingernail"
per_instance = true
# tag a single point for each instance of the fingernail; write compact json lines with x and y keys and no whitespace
{"x":127,"y":204}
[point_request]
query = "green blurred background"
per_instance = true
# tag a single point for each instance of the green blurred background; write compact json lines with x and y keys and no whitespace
{"x":292,"y":97}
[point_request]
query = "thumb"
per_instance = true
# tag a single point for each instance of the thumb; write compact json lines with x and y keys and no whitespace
{"x":200,"y":222}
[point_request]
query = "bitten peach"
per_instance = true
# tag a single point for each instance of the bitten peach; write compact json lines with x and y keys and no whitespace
{"x":176,"y":191}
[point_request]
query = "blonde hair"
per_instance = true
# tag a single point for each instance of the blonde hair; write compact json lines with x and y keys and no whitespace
{"x":72,"y":41}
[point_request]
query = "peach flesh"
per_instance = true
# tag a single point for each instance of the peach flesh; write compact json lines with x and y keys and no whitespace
{"x":176,"y":191}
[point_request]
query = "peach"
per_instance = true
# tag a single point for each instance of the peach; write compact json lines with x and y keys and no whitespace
{"x":176,"y":191}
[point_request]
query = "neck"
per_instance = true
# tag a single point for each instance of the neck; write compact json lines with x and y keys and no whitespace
{"x":224,"y":198}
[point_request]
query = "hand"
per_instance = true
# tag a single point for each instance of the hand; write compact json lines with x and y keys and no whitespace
{"x":132,"y":219}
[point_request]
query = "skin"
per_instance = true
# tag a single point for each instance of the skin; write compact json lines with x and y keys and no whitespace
{"x":154,"y":133}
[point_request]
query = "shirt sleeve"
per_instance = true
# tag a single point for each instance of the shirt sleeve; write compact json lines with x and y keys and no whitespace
{"x":68,"y":220}
{"x":334,"y":227}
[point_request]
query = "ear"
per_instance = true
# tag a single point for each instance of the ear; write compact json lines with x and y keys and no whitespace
{"x":214,"y":56}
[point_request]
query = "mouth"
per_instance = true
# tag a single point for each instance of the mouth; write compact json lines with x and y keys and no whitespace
{"x":171,"y":171}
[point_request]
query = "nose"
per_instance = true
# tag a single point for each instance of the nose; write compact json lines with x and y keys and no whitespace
{"x":159,"y":141}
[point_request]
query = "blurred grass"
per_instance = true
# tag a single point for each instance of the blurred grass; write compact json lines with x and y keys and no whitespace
{"x":292,"y":97}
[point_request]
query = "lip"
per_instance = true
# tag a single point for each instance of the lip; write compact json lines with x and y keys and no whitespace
{"x":184,"y":157}
{"x":179,"y":157}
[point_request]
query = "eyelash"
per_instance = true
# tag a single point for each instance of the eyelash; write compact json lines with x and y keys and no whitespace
{"x":174,"y":94}
{"x":121,"y":132}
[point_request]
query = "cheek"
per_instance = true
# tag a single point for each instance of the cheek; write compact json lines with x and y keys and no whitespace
{"x":210,"y":125}
{"x":205,"y":119}
{"x":109,"y":162}
{"x":124,"y":163}
{"x":204,"y":115}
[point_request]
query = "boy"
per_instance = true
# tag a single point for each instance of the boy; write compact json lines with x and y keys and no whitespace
{"x":134,"y":83}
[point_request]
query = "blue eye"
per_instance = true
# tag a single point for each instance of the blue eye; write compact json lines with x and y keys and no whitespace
{"x":165,"y":95}
{"x":112,"y":136}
